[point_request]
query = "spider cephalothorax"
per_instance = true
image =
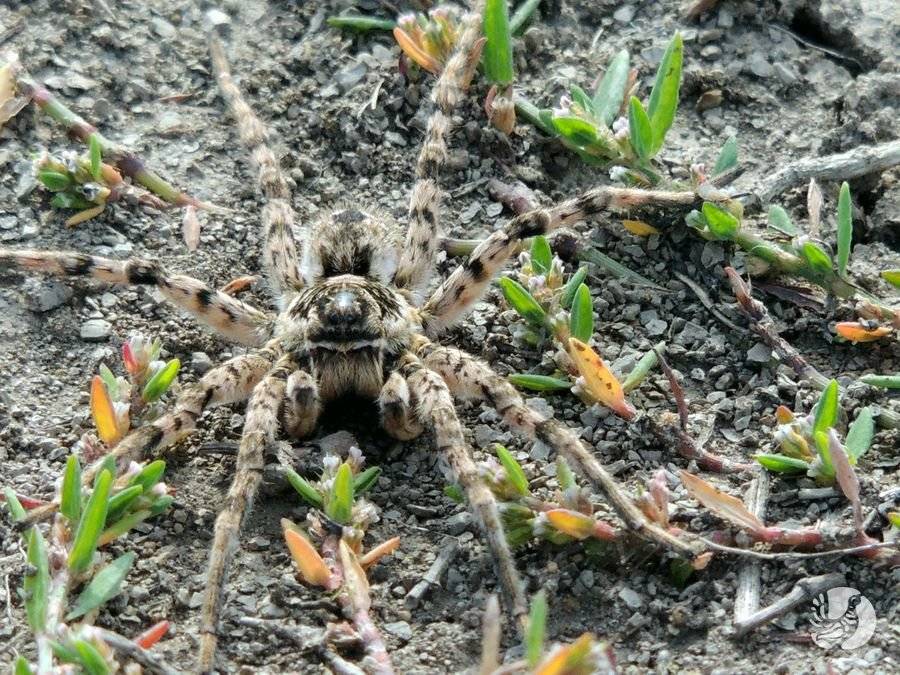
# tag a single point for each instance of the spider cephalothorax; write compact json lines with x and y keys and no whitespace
{"x":355,"y":315}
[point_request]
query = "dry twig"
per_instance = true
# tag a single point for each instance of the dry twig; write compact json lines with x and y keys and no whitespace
{"x":804,"y":591}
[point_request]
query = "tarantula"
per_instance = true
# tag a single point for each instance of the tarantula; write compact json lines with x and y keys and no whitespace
{"x":354,"y":317}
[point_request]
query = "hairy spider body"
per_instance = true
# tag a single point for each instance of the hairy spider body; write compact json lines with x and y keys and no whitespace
{"x":355,"y":316}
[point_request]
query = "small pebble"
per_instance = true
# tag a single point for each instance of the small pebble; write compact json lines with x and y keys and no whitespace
{"x":95,"y":330}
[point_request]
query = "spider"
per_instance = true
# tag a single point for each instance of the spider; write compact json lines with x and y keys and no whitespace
{"x":354,"y":316}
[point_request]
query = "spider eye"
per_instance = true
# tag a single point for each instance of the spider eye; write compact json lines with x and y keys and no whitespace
{"x":343,"y":308}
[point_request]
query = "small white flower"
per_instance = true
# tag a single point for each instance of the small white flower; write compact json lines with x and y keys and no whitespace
{"x":618,"y":173}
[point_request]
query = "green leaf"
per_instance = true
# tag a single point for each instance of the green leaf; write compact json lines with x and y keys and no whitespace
{"x":781,"y":463}
{"x":610,"y":92}
{"x":883,"y":381}
{"x":723,"y":224}
{"x":521,"y":16}
{"x":303,"y":487}
{"x":645,"y":365}
{"x":120,"y":502}
{"x":90,"y":659}
{"x":816,"y":257}
{"x":894,"y":518}
{"x":109,"y":379}
{"x":581,"y":98}
{"x":514,"y":471}
{"x":161,"y":504}
{"x":844,"y":229}
{"x":16,"y":510}
{"x":892,"y":277}
{"x":497,"y":55}
{"x":664,"y":96}
{"x":577,"y":130}
{"x":539,"y":382}
{"x":22,"y":667}
{"x":821,"y":440}
{"x":860,"y":434}
{"x":617,"y":269}
{"x":55,"y":181}
{"x":70,"y":200}
{"x":70,"y":503}
{"x":37,"y":581}
{"x":108,"y":464}
{"x":537,"y":625}
{"x":581,"y":319}
{"x":572,"y":286}
{"x":340,"y":503}
{"x":522,"y":301}
{"x":728,"y":156}
{"x":91,"y":525}
{"x":564,"y":475}
{"x":161,"y":381}
{"x":95,"y":152}
{"x":103,"y":587}
{"x":455,"y":492}
{"x":149,"y":475}
{"x":680,"y":570}
{"x":365,"y":480}
{"x":360,"y":23}
{"x":541,"y":255}
{"x":64,"y":653}
{"x":826,"y":410}
{"x":781,"y":221}
{"x":128,"y":521}
{"x":640,"y":130}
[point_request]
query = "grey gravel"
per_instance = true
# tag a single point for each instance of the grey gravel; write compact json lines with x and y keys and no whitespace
{"x":95,"y":330}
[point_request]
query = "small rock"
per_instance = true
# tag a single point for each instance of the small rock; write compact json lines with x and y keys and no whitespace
{"x":759,"y":353}
{"x":458,"y":523}
{"x":42,"y":296}
{"x":656,"y":327}
{"x":95,"y":330}
{"x":624,"y":14}
{"x":163,"y":28}
{"x":759,"y":66}
{"x":217,"y":17}
{"x":200,"y":362}
{"x":631,"y":598}
{"x":399,"y":629}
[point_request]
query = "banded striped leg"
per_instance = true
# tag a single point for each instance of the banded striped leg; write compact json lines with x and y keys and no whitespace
{"x":470,"y":378}
{"x":418,"y":256}
{"x":259,"y":431}
{"x":468,"y":281}
{"x":302,"y":405}
{"x":229,"y":383}
{"x":435,"y":409}
{"x":280,"y":254}
{"x":398,"y":416}
{"x":231,"y":318}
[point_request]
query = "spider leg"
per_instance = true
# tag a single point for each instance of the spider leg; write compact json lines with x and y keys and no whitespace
{"x":398,"y":415}
{"x":417,"y":258}
{"x":302,"y":405}
{"x":280,"y":253}
{"x":435,"y":409}
{"x":229,"y":317}
{"x":259,"y":431}
{"x":470,"y":378}
{"x":468,"y":281}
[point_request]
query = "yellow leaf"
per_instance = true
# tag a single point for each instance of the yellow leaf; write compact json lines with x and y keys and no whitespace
{"x":104,"y":413}
{"x":573,"y":523}
{"x":639,"y":227}
{"x":415,"y":52}
{"x":355,"y":580}
{"x":730,"y":508}
{"x":377,"y":553}
{"x":87,"y":214}
{"x":599,"y":381}
{"x":570,"y":659}
{"x":856,"y":332}
{"x":309,"y":562}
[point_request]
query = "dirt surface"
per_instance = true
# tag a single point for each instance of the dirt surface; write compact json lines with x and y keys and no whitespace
{"x":312,"y":85}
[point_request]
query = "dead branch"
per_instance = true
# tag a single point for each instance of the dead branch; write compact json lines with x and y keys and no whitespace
{"x":746,"y":598}
{"x":134,"y":652}
{"x":449,"y":549}
{"x":804,"y":591}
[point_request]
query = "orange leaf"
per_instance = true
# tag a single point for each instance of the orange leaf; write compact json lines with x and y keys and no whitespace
{"x":573,"y":523}
{"x":110,"y":175}
{"x":152,"y":635}
{"x":856,"y":332}
{"x":84,"y":215}
{"x":239,"y":285}
{"x":639,"y":227}
{"x":702,"y":560}
{"x":599,"y":381}
{"x":784,"y":415}
{"x":103,"y":413}
{"x":355,"y":580}
{"x":415,"y":52}
{"x":377,"y":553}
{"x":309,"y":562}
{"x":730,"y":508}
{"x":569,"y":659}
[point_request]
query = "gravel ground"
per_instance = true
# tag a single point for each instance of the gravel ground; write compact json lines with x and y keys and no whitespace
{"x":783,"y":99}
